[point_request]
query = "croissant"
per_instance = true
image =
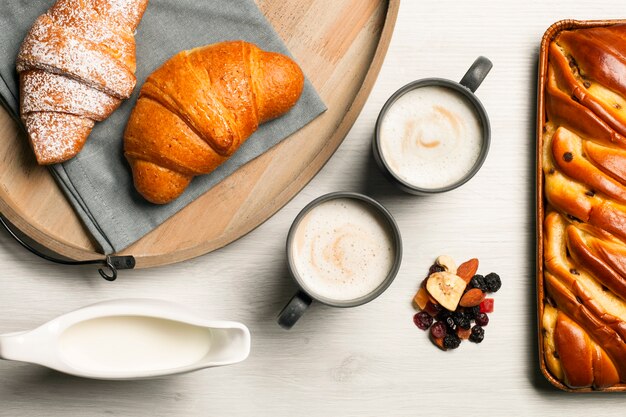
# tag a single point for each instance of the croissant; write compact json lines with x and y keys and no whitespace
{"x":196,"y":110}
{"x":76,"y":65}
{"x":584,"y":248}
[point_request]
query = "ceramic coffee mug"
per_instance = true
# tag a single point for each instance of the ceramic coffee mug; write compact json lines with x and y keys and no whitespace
{"x":433,"y":135}
{"x":344,"y":249}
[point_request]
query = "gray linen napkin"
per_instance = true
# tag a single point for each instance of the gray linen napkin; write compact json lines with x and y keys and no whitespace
{"x":98,"y":181}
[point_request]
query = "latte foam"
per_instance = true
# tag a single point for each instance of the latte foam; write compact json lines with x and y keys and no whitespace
{"x":431,"y":137}
{"x":343,"y":249}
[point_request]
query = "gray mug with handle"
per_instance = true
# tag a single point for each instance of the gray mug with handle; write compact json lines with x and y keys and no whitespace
{"x":464,"y":90}
{"x":351,"y":262}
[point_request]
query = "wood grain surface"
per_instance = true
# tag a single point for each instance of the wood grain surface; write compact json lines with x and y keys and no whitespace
{"x":369,"y":360}
{"x":340,"y":45}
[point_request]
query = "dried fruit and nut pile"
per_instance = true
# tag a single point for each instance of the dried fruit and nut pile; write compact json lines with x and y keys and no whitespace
{"x":453,"y":298}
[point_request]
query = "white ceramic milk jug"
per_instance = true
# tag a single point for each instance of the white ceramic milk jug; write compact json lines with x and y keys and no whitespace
{"x":129,"y":339}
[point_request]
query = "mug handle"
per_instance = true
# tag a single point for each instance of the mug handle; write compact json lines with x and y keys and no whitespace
{"x":476,"y":73}
{"x":294,"y":309}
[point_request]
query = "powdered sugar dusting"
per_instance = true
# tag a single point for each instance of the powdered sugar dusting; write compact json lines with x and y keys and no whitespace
{"x":76,"y":64}
{"x":85,"y":22}
{"x":45,"y":91}
{"x":49,"y":46}
{"x":127,"y":12}
{"x":56,"y":137}
{"x":82,"y":21}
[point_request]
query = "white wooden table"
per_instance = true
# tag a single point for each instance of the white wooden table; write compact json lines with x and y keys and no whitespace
{"x":369,"y":360}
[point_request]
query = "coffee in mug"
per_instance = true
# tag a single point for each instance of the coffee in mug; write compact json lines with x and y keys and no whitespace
{"x":431,"y":137}
{"x":343,"y":249}
{"x":433,"y":134}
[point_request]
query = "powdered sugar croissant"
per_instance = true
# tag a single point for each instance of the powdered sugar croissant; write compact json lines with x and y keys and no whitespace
{"x":76,"y":65}
{"x":196,"y":110}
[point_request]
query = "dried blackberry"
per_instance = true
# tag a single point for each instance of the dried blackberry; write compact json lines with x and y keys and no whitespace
{"x":478,"y":281}
{"x":493,"y":282}
{"x":465,"y":323}
{"x":478,"y":334}
{"x":451,"y":341}
{"x":461,"y":319}
{"x":471,"y":312}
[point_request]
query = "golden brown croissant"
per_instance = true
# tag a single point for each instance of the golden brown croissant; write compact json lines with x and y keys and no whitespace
{"x":584,"y":165}
{"x":76,"y":65}
{"x":198,"y":108}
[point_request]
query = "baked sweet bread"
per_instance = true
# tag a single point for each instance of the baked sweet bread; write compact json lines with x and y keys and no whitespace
{"x":196,"y":110}
{"x":76,"y":65}
{"x":584,"y":228}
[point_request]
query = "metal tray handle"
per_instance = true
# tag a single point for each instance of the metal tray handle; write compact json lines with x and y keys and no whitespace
{"x":111,"y":263}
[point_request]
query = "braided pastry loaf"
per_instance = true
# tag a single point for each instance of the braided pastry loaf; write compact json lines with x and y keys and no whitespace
{"x":198,"y":108}
{"x":76,"y":65}
{"x":584,"y":166}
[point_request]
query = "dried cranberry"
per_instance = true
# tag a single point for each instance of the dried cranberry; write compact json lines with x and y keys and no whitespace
{"x":438,"y":330}
{"x":423,"y":320}
{"x":482,"y":319}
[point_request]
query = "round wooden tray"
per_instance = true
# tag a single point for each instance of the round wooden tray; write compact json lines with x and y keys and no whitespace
{"x":340,"y":46}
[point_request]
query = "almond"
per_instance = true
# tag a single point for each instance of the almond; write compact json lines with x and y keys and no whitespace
{"x":472,"y":298}
{"x":421,"y":298}
{"x":468,"y":269}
